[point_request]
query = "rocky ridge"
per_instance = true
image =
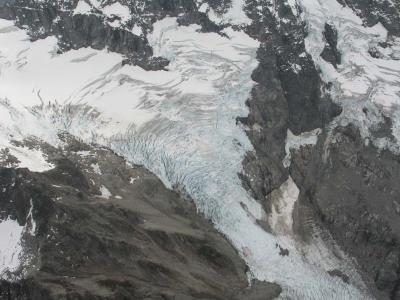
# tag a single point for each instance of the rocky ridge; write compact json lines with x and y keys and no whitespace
{"x":104,"y":229}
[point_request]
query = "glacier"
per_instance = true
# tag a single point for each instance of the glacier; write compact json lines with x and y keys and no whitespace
{"x":180,"y":123}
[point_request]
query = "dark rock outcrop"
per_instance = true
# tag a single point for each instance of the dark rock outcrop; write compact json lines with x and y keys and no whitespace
{"x":352,"y":190}
{"x":346,"y":187}
{"x":108,"y":230}
{"x":330,"y":52}
{"x":287,"y":95}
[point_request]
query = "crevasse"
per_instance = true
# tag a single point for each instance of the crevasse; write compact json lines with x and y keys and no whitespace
{"x":180,"y":124}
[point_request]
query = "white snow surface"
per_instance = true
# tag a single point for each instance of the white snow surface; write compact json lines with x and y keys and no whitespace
{"x":105,"y":193}
{"x":82,"y":8}
{"x":281,"y":219}
{"x":137,"y":30}
{"x":13,"y":258}
{"x":96,"y":168}
{"x":118,"y":10}
{"x":32,"y":159}
{"x":113,"y":10}
{"x":297,"y":141}
{"x":10,"y":246}
{"x":234,"y":15}
{"x":180,"y":124}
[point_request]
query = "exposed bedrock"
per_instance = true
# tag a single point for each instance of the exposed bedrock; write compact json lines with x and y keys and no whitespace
{"x":352,"y":189}
{"x":346,"y":186}
{"x":108,"y":230}
{"x":287,"y":95}
{"x":330,"y":52}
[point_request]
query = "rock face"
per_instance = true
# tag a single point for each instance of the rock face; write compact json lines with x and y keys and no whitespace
{"x":287,"y":95}
{"x":331,"y":53}
{"x":351,"y":189}
{"x":347,"y":186}
{"x":107,"y":230}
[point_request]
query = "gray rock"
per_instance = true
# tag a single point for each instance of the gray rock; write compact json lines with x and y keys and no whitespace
{"x":330,"y":52}
{"x":140,"y":241}
{"x":287,"y":95}
{"x":352,"y":190}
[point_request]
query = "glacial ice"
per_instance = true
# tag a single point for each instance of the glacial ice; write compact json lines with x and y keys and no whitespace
{"x":181,"y":124}
{"x":362,"y":82}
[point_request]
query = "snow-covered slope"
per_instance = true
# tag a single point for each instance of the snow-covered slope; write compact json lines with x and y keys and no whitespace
{"x":10,"y":246}
{"x":13,"y":257}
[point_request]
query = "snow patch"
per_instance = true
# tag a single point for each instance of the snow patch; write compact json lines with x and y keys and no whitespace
{"x":83,"y":8}
{"x":33,"y":159}
{"x":137,"y":30}
{"x":120,"y":13}
{"x":235,"y":15}
{"x":30,"y":221}
{"x":203,"y":8}
{"x":10,"y":246}
{"x":117,"y":10}
{"x":281,"y":217}
{"x":96,"y":168}
{"x":297,"y":141}
{"x":105,"y":193}
{"x":294,"y":6}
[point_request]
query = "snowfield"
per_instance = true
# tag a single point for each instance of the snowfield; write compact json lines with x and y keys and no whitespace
{"x":179,"y":123}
